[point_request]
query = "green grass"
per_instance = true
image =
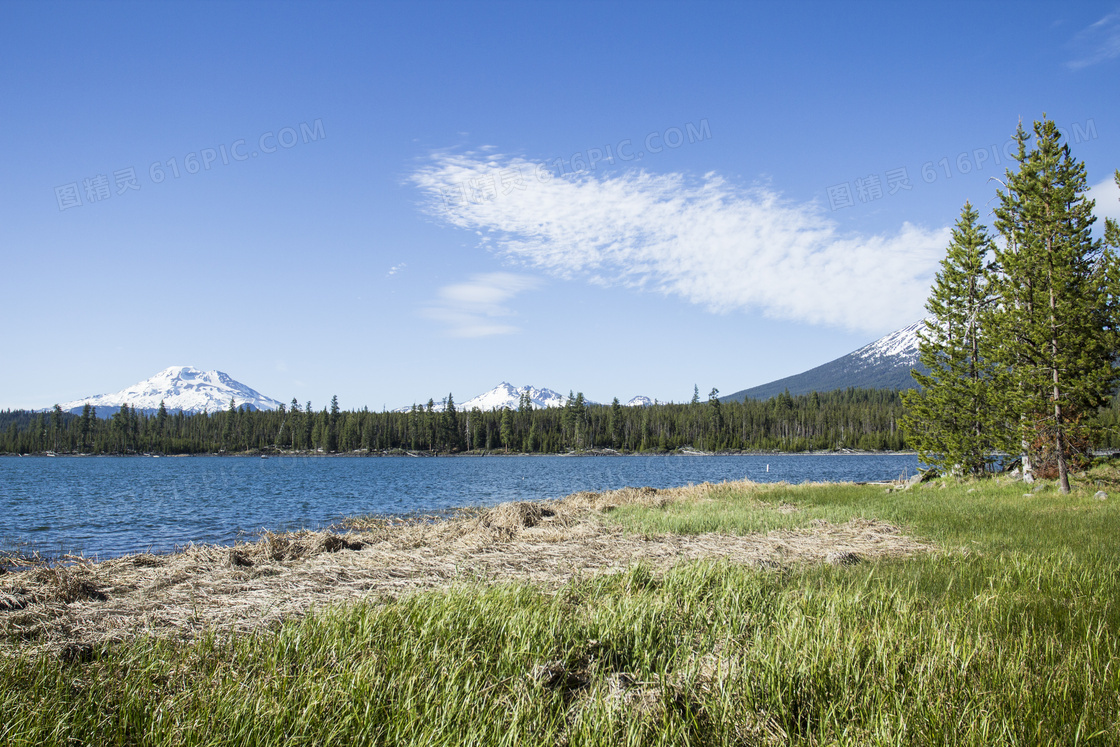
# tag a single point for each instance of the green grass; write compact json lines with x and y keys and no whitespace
{"x":1007,"y":636}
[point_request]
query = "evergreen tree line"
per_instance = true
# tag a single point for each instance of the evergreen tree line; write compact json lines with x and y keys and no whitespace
{"x":1022,"y":338}
{"x":852,"y":419}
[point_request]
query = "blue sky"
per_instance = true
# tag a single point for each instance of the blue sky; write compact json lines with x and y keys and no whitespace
{"x":390,"y":201}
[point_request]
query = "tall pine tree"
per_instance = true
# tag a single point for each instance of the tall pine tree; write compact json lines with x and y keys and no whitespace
{"x":955,"y":420}
{"x":332,"y":425}
{"x":1058,"y":312}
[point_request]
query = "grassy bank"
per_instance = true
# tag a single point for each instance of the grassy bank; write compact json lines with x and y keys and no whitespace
{"x":1006,"y":634}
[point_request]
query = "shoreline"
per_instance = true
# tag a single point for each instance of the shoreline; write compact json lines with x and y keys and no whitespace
{"x":467,"y":454}
{"x":250,"y":586}
{"x":350,"y":488}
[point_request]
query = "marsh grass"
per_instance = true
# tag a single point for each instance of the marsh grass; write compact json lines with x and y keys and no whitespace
{"x":1006,"y":635}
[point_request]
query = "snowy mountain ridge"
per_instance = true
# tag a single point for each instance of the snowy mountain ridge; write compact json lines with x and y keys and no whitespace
{"x":899,"y":347}
{"x":180,"y":388}
{"x":507,"y":395}
{"x":503,"y":395}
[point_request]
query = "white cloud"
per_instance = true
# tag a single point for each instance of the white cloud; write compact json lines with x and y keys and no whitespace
{"x":397,"y":268}
{"x":1107,"y":196}
{"x":712,"y":243}
{"x":477,"y":307}
{"x":1097,"y":43}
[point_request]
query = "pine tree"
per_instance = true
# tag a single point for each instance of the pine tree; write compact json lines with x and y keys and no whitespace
{"x":85,"y":429}
{"x":414,"y":420}
{"x":319,"y":424}
{"x":568,"y":418}
{"x":954,"y":420}
{"x":332,"y":425}
{"x":1058,"y":306}
{"x":430,"y":424}
{"x":350,"y":432}
{"x":294,"y":428}
{"x":716,"y":417}
{"x":227,"y":429}
{"x":56,"y":425}
{"x":579,"y":417}
{"x":533,"y":438}
{"x":506,"y":428}
{"x":308,"y":426}
{"x":615,"y":421}
{"x":161,"y":425}
{"x":449,"y":424}
{"x":120,"y":428}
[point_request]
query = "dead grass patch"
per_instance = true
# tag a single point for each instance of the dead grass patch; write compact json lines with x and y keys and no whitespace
{"x":253,"y":585}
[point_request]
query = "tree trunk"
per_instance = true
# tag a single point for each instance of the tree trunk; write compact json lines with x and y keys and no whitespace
{"x":1059,"y":428}
{"x":1060,"y":439}
{"x":1063,"y":467}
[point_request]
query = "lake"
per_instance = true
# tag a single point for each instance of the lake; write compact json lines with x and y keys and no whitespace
{"x":108,"y":506}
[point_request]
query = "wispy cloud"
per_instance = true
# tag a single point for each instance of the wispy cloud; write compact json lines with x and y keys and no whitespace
{"x":397,"y":268}
{"x":1097,"y":43}
{"x":477,"y":307}
{"x":705,"y":240}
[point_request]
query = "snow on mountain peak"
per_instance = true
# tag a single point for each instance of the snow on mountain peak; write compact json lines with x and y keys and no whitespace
{"x":901,"y":345}
{"x":504,"y":395}
{"x":507,"y":395}
{"x":182,"y":388}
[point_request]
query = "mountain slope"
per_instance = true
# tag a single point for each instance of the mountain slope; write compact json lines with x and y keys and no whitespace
{"x":180,"y":388}
{"x":884,"y":364}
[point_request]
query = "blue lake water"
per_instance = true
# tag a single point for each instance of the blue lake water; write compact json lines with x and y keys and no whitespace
{"x":107,"y":506}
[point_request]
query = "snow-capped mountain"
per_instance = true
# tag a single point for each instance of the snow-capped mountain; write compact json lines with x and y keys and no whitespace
{"x":179,"y":388}
{"x":639,"y":401}
{"x":884,"y":364}
{"x":504,"y":395}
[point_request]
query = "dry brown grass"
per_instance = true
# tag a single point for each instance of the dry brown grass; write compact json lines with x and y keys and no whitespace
{"x":253,"y":585}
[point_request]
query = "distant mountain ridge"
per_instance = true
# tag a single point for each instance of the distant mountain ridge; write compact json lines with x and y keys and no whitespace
{"x":883,"y":364}
{"x":507,"y":395}
{"x":503,"y":395}
{"x":181,"y":389}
